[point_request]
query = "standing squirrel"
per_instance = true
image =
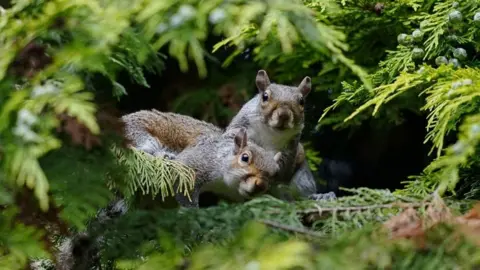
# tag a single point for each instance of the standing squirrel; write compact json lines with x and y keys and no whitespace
{"x":274,"y":119}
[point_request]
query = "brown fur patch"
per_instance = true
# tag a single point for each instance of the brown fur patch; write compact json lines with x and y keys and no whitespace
{"x":268,"y":108}
{"x":175,"y":131}
{"x":252,"y":170}
{"x":258,"y":178}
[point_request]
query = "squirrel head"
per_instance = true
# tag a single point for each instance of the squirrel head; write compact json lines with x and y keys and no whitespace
{"x":252,"y":167}
{"x":282,"y":106}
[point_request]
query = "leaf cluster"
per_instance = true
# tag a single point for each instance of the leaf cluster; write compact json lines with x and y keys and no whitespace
{"x":433,"y":72}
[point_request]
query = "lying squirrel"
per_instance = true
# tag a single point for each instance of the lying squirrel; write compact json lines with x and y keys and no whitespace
{"x":274,"y":119}
{"x":237,"y":167}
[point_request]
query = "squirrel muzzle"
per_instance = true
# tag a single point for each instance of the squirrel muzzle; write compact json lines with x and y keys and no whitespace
{"x":282,"y":118}
{"x":253,"y":186}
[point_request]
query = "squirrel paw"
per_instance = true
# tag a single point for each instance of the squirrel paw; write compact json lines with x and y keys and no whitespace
{"x":169,"y":156}
{"x":165,"y":155}
{"x":323,"y":196}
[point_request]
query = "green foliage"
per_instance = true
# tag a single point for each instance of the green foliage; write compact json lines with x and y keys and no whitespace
{"x":457,"y":156}
{"x":186,"y":238}
{"x":419,"y":55}
{"x":81,"y":44}
{"x":313,"y":158}
{"x":370,"y":252}
{"x":204,"y":103}
{"x":132,"y":53}
{"x":74,"y":196}
{"x":441,"y":83}
{"x":318,"y":42}
{"x":153,"y":175}
{"x":19,"y":243}
{"x":256,"y":248}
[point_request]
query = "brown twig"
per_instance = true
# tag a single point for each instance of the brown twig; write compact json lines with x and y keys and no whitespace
{"x":320,"y":210}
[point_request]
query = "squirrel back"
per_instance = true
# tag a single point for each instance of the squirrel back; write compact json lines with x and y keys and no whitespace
{"x":164,"y":133}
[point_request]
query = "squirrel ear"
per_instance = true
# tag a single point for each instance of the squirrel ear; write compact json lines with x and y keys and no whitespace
{"x":277,"y":156}
{"x":240,"y":140}
{"x":305,"y":86}
{"x":262,"y":81}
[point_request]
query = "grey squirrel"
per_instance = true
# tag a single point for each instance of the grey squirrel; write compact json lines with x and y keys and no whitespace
{"x":238,"y":167}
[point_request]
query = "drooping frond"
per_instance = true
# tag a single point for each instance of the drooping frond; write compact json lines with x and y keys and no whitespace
{"x":154,"y":175}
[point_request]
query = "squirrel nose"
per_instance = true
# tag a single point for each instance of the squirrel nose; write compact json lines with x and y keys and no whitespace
{"x":254,"y":186}
{"x":260,"y":186}
{"x":283,"y":117}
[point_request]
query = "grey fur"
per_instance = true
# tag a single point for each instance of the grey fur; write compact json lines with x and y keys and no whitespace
{"x":259,"y":123}
{"x":141,"y":138}
{"x":302,"y":180}
{"x":286,"y":141}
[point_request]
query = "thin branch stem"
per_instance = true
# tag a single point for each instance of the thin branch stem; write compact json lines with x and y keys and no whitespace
{"x":320,"y":210}
{"x":292,"y":229}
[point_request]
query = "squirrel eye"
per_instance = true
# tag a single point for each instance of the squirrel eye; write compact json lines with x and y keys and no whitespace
{"x":264,"y":96}
{"x":245,"y":158}
{"x":301,"y":101}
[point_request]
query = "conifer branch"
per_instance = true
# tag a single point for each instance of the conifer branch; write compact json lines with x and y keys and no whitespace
{"x":288,"y":228}
{"x":320,"y":210}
